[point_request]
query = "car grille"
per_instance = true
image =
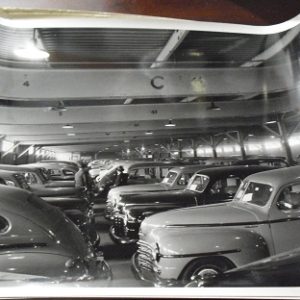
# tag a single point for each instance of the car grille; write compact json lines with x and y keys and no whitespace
{"x":109,"y":208}
{"x":145,"y":256}
{"x":119,"y":226}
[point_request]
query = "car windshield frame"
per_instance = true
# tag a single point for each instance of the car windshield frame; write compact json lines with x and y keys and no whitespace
{"x":170,"y":180}
{"x":192,"y":182}
{"x":241,"y":195}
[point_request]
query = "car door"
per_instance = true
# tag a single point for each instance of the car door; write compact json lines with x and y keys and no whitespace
{"x":284,"y":217}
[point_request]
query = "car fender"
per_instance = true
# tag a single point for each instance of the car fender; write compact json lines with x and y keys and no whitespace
{"x":240,"y":244}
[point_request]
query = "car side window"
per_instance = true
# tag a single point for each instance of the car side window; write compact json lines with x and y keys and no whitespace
{"x":184,"y":178}
{"x":227,"y":186}
{"x":289,"y":198}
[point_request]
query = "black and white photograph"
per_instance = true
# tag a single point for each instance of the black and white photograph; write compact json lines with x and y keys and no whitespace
{"x":150,"y":148}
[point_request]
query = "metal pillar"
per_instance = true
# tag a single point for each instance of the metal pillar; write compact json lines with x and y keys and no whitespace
{"x":284,"y":141}
{"x":283,"y":135}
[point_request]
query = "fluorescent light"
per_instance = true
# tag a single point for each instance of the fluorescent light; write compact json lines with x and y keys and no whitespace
{"x":250,"y":134}
{"x":116,"y":145}
{"x":179,"y":140}
{"x":31,"y":52}
{"x":271,"y":122}
{"x":170,"y":124}
{"x":149,"y":132}
{"x":68,"y":126}
{"x":71,"y":134}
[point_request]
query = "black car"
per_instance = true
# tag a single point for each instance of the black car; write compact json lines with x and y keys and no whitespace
{"x":208,"y":186}
{"x":276,"y":271}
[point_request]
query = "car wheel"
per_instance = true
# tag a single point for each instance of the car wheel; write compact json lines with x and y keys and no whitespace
{"x":202,"y":268}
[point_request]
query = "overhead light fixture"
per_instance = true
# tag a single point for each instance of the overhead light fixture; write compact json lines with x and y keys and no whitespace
{"x":116,"y":145}
{"x":250,"y":134}
{"x":271,"y":122}
{"x":170,"y":124}
{"x":68,"y":126}
{"x":272,"y":137}
{"x":213,"y":106}
{"x":149,"y":132}
{"x":126,"y":141}
{"x":179,"y":140}
{"x":71,"y":134}
{"x":143,"y":148}
{"x":128,"y":150}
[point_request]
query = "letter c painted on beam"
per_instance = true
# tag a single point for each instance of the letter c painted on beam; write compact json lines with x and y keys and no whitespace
{"x":155,"y":84}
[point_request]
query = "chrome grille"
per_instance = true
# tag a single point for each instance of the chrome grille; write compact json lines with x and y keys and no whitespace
{"x":119,"y":226}
{"x":145,"y":256}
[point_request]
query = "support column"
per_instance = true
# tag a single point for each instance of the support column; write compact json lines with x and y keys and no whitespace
{"x":283,"y":135}
{"x":284,"y":141}
{"x":194,"y":147}
{"x":179,"y":149}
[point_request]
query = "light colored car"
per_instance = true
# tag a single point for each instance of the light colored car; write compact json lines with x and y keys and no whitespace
{"x":262,"y":220}
{"x":176,"y":179}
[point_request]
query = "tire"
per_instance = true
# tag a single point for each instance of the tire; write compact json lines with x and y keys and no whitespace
{"x":204,"y":267}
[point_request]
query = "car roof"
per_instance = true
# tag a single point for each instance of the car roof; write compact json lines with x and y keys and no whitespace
{"x":192,"y":168}
{"x":18,"y":168}
{"x":277,"y":177}
{"x":240,"y":169}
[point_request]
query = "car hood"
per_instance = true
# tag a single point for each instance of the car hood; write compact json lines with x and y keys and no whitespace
{"x":33,"y":219}
{"x":132,"y":189}
{"x":44,"y":191}
{"x":225,"y":214}
{"x":60,"y":183}
{"x":159,"y":197}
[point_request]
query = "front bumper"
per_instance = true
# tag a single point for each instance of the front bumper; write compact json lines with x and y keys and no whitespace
{"x":149,"y":275}
{"x":124,"y":240}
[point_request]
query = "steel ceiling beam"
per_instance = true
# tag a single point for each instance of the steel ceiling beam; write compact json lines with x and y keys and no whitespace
{"x":64,"y":84}
{"x":278,"y":46}
{"x":175,"y":40}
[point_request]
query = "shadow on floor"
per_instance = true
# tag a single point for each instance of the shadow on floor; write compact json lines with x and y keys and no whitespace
{"x":113,"y":251}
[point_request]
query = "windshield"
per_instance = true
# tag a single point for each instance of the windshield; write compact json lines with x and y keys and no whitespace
{"x":170,"y":177}
{"x":254,"y":192}
{"x":198,"y":183}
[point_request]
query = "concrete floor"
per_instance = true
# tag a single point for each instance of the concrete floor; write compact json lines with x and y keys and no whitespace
{"x":117,"y":256}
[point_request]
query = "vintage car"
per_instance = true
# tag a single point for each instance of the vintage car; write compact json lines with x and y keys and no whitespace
{"x":262,"y":220}
{"x":38,"y":240}
{"x":276,"y":271}
{"x":176,"y":179}
{"x":137,"y":172}
{"x":80,"y":211}
{"x":13,"y":178}
{"x":57,"y":170}
{"x":278,"y":162}
{"x":207,"y":186}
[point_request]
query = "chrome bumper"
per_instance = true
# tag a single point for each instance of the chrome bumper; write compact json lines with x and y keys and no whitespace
{"x":119,"y":239}
{"x":150,"y":275}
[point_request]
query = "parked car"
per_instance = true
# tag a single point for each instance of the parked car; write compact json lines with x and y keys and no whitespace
{"x":262,"y":220}
{"x":80,"y":211}
{"x":137,"y":172}
{"x":276,"y":271}
{"x":210,"y":185}
{"x":278,"y":162}
{"x":38,"y":240}
{"x":13,"y":178}
{"x":176,"y":179}
{"x":57,"y":170}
